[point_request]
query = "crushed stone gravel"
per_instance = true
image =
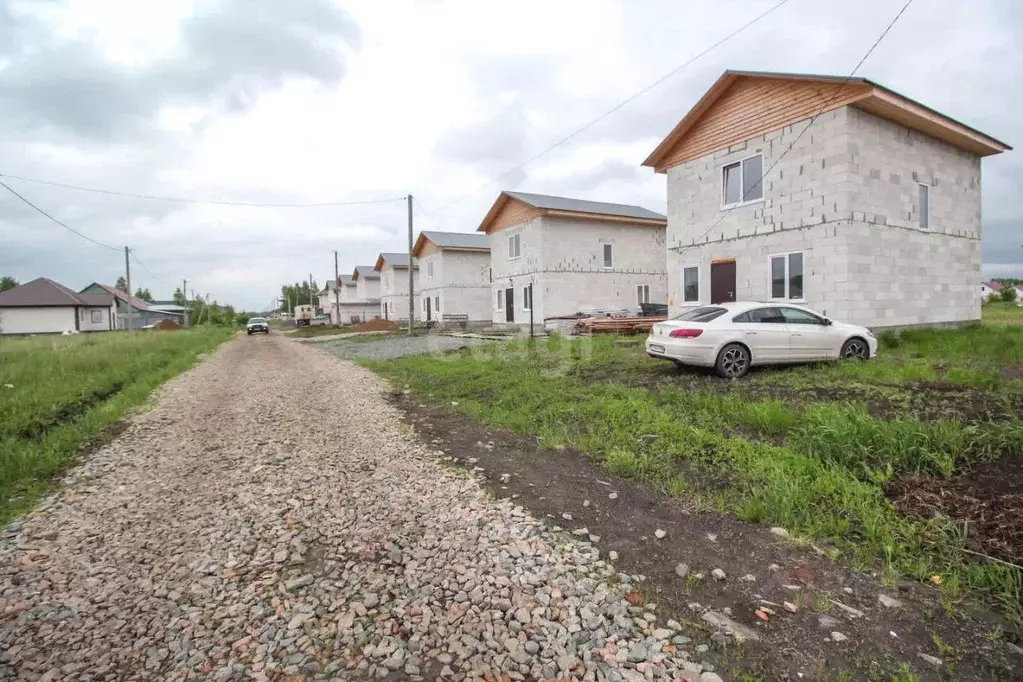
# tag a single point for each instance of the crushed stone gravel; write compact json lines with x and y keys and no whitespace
{"x":270,"y":518}
{"x":391,"y":347}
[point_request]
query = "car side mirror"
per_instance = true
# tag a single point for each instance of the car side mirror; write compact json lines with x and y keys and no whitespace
{"x":827,"y":322}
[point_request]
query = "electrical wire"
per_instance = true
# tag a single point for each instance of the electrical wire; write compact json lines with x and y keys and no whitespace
{"x":185,"y":200}
{"x":618,"y":106}
{"x":64,"y":225}
{"x":813,"y":119}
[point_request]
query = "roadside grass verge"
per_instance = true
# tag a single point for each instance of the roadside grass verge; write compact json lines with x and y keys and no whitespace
{"x":312,"y":332}
{"x":817,"y":468}
{"x":60,"y":394}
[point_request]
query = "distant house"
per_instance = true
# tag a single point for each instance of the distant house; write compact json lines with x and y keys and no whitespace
{"x":182,"y":313}
{"x":394,"y":281}
{"x":325,"y":299}
{"x":132,"y":312}
{"x":353,"y":308}
{"x":991,"y":288}
{"x":579,"y":256}
{"x":871,"y":216}
{"x":454,"y":275}
{"x":43,"y":306}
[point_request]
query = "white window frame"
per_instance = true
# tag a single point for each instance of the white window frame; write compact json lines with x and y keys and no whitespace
{"x":429,"y":269}
{"x":500,"y":300}
{"x":436,"y":305}
{"x":526,"y":306}
{"x":603,"y":253}
{"x":92,"y":316}
{"x":770,"y":287}
{"x":642,"y":293}
{"x":740,"y":162}
{"x":699,"y":283}
{"x":517,"y":240}
{"x":926,"y":227}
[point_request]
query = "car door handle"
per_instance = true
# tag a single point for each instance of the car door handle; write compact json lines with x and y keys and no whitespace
{"x":797,"y":334}
{"x":751,"y":333}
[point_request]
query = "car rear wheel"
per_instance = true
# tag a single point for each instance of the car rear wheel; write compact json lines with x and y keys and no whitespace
{"x":856,"y":348}
{"x":733,"y":361}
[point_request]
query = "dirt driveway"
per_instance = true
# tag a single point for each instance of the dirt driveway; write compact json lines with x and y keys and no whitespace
{"x":271,"y":518}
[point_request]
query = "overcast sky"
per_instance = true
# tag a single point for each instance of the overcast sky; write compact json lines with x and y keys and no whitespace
{"x":326,"y":100}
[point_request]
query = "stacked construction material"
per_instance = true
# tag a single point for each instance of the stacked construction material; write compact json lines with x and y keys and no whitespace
{"x":616,"y":325}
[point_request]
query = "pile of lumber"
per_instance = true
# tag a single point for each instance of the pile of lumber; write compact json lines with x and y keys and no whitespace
{"x":616,"y":325}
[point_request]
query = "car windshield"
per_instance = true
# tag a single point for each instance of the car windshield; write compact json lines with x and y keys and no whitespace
{"x":704,"y":314}
{"x":257,"y":320}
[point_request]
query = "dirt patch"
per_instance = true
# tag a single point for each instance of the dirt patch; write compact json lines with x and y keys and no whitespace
{"x":988,"y":501}
{"x":168,"y":325}
{"x":551,"y":483}
{"x":376,"y":325}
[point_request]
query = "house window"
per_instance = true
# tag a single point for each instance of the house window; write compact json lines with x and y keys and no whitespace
{"x":643,"y":294}
{"x":436,"y":304}
{"x":924,"y":209}
{"x":608,"y":256}
{"x":81,"y":315}
{"x":500,"y":299}
{"x":527,"y":298}
{"x":691,"y":284}
{"x":742,"y":181}
{"x":514,"y":246}
{"x":787,"y":276}
{"x":429,"y":269}
{"x":96,"y":316}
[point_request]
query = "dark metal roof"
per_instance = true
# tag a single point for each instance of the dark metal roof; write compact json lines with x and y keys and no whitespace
{"x":397,"y":260}
{"x":45,"y":292}
{"x":584,"y":206}
{"x":458,"y":240}
{"x":136,"y":303}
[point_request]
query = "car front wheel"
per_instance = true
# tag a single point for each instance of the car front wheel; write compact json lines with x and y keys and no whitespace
{"x":856,"y":348}
{"x":733,"y":361}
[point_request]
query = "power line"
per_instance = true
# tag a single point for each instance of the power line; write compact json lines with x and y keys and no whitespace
{"x":65,"y":226}
{"x":146,"y":268}
{"x":618,"y":106}
{"x":813,"y":119}
{"x":185,"y":200}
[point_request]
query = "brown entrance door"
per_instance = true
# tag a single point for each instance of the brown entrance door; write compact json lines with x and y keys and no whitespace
{"x":428,"y":314}
{"x":722,"y":281}
{"x":509,"y":305}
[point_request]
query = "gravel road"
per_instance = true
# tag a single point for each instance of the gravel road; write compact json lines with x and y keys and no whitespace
{"x":389,"y":347}
{"x":270,"y":518}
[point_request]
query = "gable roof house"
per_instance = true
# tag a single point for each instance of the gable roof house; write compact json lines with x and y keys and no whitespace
{"x":578,"y":256}
{"x":131,"y":310}
{"x":43,"y":306}
{"x":838,"y":193}
{"x":454,"y":275}
{"x":325,"y":298}
{"x":352,"y":308}
{"x":393,"y":269}
{"x":990,"y":288}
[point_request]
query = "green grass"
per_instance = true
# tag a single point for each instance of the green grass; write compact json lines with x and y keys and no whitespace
{"x":58,"y":394}
{"x":816,"y":466}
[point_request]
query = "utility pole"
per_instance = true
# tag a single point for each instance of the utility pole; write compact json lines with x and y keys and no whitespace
{"x":311,"y":292}
{"x":186,"y":314}
{"x":411,"y":273}
{"x":337,"y":295}
{"x":208,"y":316}
{"x":127,"y":276}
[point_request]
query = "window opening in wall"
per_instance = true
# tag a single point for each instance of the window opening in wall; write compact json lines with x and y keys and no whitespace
{"x":787,"y":276}
{"x":514,"y":246}
{"x":742,"y":181}
{"x":924,"y":206}
{"x":643,"y":294}
{"x":691,"y":284}
{"x":608,"y":256}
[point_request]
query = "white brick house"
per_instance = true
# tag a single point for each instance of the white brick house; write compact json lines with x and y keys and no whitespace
{"x":393,"y":271}
{"x":578,"y":255}
{"x":870,"y":215}
{"x":352,"y":309}
{"x":454,"y":275}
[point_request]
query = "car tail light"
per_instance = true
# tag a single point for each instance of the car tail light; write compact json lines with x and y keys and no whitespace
{"x":685,"y":333}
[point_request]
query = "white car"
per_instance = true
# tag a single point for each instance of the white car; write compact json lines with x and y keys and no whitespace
{"x":732,"y":337}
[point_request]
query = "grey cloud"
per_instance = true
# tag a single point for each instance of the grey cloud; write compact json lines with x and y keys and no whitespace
{"x":231,"y":51}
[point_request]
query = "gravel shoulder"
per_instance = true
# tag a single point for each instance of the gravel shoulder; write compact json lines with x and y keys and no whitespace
{"x":271,"y":518}
{"x":397,"y":346}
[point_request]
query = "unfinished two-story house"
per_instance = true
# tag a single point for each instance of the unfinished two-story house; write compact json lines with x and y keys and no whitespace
{"x":353,"y":309}
{"x":393,"y":269}
{"x":454,"y":276}
{"x":578,"y":255}
{"x":837,"y":193}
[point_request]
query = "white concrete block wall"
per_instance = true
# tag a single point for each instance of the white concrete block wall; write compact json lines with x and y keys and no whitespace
{"x":85,"y":323}
{"x":36,"y":320}
{"x":563,"y":259}
{"x":394,"y":292}
{"x":846,"y":196}
{"x":367,"y":288}
{"x":461,"y":280}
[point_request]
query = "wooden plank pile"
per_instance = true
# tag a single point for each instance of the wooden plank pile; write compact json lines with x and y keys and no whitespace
{"x":616,"y":325}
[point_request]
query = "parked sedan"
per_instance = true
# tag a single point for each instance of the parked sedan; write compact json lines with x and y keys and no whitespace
{"x":732,"y":337}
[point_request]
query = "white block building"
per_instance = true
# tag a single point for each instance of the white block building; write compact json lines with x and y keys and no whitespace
{"x":352,"y":308}
{"x":454,"y":275}
{"x":43,"y":306}
{"x":579,"y":256}
{"x":837,"y":193}
{"x":393,"y":269}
